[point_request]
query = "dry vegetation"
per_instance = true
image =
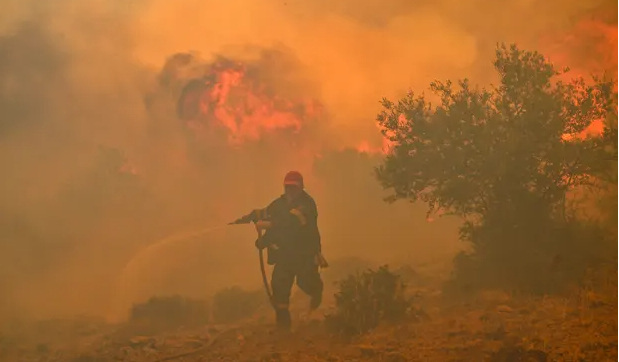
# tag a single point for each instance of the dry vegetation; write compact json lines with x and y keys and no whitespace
{"x":392,"y":322}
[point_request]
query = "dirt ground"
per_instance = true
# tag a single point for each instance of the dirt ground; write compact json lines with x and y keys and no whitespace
{"x":489,"y":326}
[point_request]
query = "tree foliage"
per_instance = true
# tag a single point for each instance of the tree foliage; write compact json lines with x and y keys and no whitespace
{"x":504,"y":158}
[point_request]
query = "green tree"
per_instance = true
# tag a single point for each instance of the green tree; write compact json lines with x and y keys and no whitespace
{"x":500,"y":158}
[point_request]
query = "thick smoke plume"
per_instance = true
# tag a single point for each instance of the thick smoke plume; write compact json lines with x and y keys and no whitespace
{"x":99,"y":160}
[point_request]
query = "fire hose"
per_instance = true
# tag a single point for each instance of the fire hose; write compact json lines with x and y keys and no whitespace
{"x":265,"y":280}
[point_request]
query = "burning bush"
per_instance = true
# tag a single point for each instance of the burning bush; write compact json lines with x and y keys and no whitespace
{"x":233,"y":304}
{"x":170,"y":311}
{"x":364,"y":300}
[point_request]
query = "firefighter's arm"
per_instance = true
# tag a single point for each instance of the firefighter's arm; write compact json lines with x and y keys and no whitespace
{"x":264,"y":222}
{"x":306,"y":217}
{"x":301,"y":216}
{"x":254,"y":216}
{"x":311,"y":219}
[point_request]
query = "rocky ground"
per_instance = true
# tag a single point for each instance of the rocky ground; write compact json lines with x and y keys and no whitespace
{"x":490,"y":326}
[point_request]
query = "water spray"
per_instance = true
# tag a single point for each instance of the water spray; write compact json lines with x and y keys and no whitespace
{"x":124,"y":287}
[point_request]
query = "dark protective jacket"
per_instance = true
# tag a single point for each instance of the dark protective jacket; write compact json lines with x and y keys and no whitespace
{"x":294,"y":229}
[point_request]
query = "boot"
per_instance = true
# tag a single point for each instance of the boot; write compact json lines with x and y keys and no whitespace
{"x":283,"y":320}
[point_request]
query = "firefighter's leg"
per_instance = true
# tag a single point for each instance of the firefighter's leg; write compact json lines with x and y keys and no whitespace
{"x":309,"y":281}
{"x":282,"y":280}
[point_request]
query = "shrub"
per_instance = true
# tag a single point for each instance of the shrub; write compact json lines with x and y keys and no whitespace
{"x":542,"y":263}
{"x":364,"y":300}
{"x":170,"y":311}
{"x":233,"y":304}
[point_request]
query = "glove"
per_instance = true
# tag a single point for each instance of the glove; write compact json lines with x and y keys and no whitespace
{"x":265,"y":241}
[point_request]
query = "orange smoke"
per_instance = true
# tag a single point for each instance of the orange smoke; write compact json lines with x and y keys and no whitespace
{"x":366,"y":147}
{"x":589,"y":48}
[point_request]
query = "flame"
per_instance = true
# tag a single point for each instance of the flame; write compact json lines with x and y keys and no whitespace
{"x":233,"y":96}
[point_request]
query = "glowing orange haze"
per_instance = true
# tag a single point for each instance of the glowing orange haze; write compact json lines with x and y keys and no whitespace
{"x":90,"y":64}
{"x":589,"y":48}
{"x":230,"y":98}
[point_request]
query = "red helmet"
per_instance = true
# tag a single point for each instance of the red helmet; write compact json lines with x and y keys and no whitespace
{"x":294,"y":178}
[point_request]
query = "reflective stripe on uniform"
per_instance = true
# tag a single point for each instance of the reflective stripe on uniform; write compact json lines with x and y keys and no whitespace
{"x":299,"y":215}
{"x":281,"y":305}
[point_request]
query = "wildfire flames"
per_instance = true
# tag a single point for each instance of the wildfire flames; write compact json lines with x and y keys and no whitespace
{"x":238,"y":98}
{"x":246,"y":101}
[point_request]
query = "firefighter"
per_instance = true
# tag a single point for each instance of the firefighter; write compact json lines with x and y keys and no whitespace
{"x":294,"y":247}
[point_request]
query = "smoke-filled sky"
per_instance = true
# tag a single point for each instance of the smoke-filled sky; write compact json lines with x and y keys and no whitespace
{"x":97,"y":165}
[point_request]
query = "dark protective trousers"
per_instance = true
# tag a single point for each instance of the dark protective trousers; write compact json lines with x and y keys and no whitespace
{"x":307,"y":277}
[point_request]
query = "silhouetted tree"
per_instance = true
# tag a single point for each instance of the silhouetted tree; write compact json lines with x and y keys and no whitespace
{"x":506,"y":159}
